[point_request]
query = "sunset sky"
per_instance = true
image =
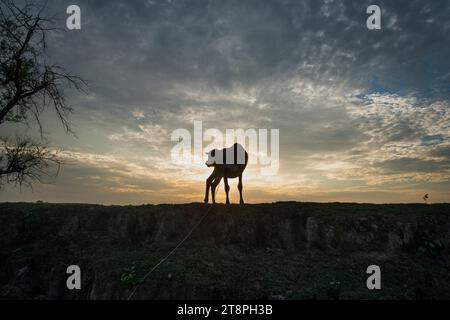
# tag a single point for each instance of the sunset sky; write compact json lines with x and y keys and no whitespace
{"x":363,"y":115}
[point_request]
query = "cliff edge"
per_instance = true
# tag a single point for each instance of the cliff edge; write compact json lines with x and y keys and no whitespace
{"x":284,"y":250}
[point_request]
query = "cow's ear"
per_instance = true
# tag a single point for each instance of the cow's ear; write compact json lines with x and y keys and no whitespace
{"x":213,"y":153}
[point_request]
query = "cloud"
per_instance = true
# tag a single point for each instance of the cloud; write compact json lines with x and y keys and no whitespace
{"x":357,"y":110}
{"x":151,"y":135}
{"x":138,"y":114}
{"x":414,"y":165}
{"x":442,"y":151}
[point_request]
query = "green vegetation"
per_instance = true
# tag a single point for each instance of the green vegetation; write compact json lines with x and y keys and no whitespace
{"x":253,"y":252}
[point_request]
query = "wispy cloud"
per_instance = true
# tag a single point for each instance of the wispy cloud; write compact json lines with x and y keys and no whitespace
{"x":362,"y":115}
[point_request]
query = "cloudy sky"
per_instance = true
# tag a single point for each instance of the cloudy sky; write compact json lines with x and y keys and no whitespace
{"x":363,"y":115}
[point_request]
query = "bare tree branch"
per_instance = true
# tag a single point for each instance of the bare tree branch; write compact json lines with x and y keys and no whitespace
{"x":28,"y":86}
{"x":25,"y":76}
{"x":25,"y":162}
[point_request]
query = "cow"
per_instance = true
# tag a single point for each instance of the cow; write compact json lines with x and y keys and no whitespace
{"x":228,"y":163}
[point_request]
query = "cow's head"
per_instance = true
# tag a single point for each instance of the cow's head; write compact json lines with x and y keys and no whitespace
{"x":211,"y":158}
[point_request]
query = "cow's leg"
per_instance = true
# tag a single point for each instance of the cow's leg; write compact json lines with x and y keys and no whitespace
{"x":241,"y":201}
{"x":208,"y":185}
{"x":213,"y":188}
{"x":227,"y":188}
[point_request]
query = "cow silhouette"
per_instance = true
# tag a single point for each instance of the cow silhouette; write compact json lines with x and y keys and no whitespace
{"x":228,"y":163}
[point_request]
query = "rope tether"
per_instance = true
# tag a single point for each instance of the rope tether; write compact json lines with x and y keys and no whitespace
{"x":170,"y":253}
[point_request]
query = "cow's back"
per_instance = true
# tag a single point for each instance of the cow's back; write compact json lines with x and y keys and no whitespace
{"x":235,"y":160}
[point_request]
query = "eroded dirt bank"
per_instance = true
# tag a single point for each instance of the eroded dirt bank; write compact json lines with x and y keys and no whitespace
{"x":280,"y":250}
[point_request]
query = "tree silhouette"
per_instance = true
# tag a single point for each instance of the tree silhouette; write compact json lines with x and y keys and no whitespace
{"x":29,"y":84}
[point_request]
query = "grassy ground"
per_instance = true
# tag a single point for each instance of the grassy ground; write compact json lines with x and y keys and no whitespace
{"x":312,"y":274}
{"x":36,"y":240}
